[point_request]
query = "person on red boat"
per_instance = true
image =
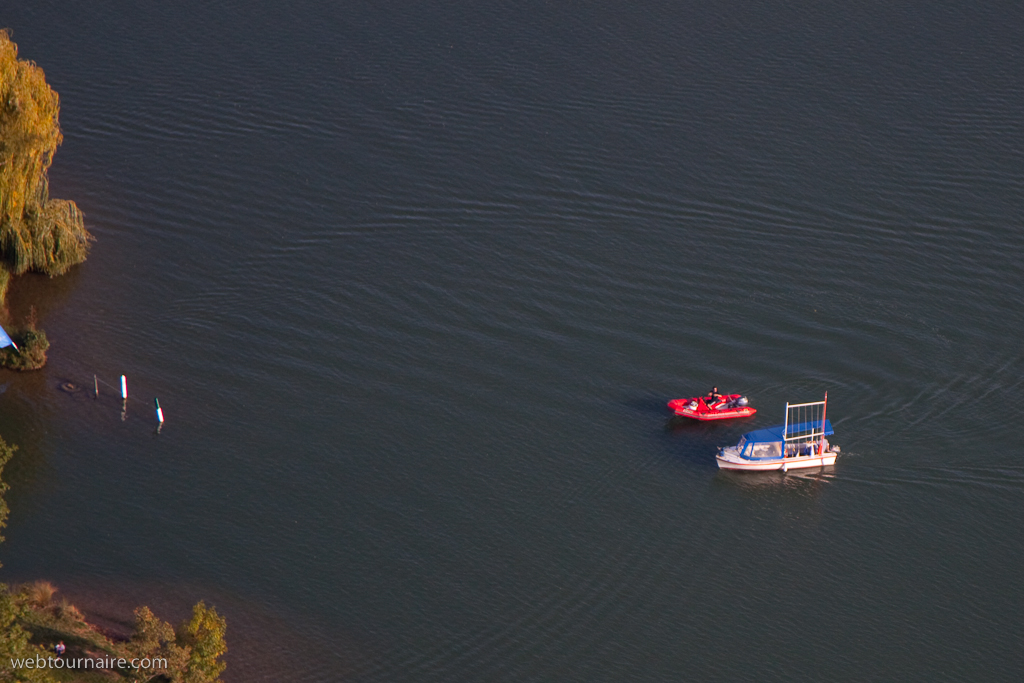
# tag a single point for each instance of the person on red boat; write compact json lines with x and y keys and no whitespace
{"x":712,"y":396}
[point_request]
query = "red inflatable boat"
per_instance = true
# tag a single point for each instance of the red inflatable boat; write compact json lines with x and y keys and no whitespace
{"x":703,"y":408}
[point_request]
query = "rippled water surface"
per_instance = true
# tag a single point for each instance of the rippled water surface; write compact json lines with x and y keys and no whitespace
{"x":413,"y":282}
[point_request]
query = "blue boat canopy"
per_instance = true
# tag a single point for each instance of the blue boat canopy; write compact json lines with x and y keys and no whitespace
{"x":775,"y":433}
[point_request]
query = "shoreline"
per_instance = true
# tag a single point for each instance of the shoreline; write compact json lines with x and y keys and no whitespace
{"x":263,"y":643}
{"x":46,"y":630}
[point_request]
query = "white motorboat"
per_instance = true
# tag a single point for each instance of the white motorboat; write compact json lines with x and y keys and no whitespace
{"x":798,"y":442}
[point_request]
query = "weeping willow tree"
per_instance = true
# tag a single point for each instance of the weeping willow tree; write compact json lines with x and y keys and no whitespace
{"x":36,"y":233}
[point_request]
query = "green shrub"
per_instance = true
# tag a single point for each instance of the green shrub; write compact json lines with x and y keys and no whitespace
{"x":14,"y":642}
{"x":31,"y":352}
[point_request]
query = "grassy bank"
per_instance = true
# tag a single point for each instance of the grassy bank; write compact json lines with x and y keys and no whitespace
{"x":36,"y":621}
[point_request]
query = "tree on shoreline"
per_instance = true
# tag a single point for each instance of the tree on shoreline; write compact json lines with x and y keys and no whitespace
{"x":154,"y":639}
{"x":203,"y":634}
{"x":36,"y":232}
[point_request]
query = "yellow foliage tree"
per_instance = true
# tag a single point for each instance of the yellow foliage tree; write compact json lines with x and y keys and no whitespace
{"x":203,"y":634}
{"x":36,"y":232}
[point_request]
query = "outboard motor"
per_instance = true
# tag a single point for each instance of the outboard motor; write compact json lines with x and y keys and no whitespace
{"x":742,"y":401}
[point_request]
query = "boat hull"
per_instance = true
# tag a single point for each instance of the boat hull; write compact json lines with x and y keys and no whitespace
{"x":783,"y":464}
{"x":717,"y":414}
{"x":681,"y":407}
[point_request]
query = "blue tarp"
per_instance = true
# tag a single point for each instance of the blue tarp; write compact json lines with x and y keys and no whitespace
{"x":775,"y":433}
{"x":5,"y":341}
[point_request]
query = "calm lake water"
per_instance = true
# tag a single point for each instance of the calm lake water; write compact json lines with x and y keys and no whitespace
{"x":414,"y":281}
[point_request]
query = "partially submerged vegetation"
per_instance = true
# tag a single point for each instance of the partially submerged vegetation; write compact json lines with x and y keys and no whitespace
{"x":37,"y":233}
{"x":32,"y":345}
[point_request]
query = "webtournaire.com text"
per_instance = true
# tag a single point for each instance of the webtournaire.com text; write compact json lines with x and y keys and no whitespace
{"x":40,"y":662}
